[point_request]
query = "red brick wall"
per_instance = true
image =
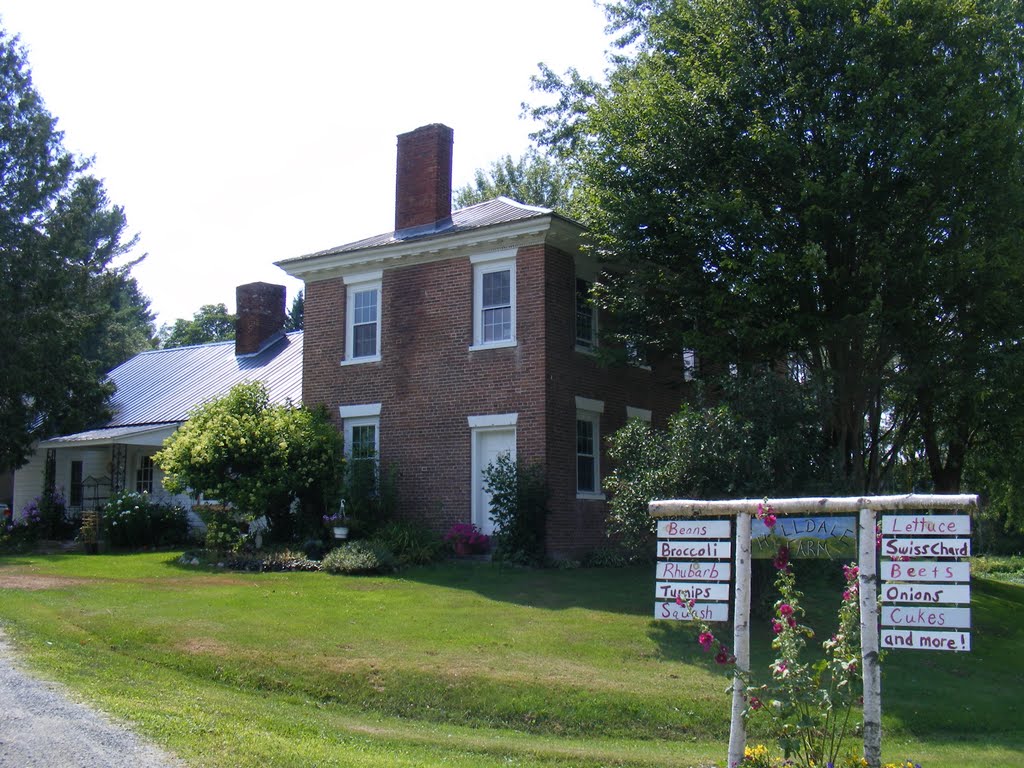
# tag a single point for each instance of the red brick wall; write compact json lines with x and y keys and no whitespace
{"x":428,"y":383}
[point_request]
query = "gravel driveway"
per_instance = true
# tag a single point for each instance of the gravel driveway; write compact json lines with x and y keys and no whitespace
{"x":41,"y":726}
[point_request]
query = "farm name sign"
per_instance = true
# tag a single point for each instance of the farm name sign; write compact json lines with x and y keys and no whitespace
{"x":828,"y":538}
{"x":693,"y":564}
{"x":924,"y":587}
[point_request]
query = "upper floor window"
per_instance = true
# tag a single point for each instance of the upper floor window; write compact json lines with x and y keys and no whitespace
{"x":689,"y":364}
{"x":494,"y":301}
{"x":586,"y":317}
{"x":144,"y":475}
{"x":362,"y":318}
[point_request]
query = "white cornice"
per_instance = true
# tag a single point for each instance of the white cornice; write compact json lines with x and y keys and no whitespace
{"x":534,"y":231}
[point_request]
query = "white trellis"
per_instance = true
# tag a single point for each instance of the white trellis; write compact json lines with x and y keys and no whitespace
{"x":868,"y":507}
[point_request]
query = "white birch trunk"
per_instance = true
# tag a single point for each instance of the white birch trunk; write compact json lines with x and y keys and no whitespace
{"x":868,"y":591}
{"x":740,"y":639}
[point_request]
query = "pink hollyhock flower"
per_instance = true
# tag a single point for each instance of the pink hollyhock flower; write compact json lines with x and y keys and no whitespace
{"x":776,"y":627}
{"x":679,"y":600}
{"x":770,"y":520}
{"x":786,"y":609}
{"x":781,"y":561}
{"x":755,"y":703}
{"x":724,"y":657}
{"x":705,"y":639}
{"x":791,"y":621}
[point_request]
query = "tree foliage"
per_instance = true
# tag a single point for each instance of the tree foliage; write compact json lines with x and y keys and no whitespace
{"x":740,"y":438}
{"x":840,"y":181}
{"x":258,"y":457}
{"x":212,"y":322}
{"x":533,"y":179}
{"x":70,"y":311}
{"x":297,"y":314}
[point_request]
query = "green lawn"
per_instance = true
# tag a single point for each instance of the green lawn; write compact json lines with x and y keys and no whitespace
{"x":460,"y":664}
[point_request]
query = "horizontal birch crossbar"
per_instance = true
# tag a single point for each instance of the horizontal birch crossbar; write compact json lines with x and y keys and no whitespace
{"x":832,"y":505}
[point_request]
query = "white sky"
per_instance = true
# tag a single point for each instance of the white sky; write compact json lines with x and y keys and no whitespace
{"x":236,"y":134}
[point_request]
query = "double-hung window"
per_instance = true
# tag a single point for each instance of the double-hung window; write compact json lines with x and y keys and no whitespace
{"x":494,"y":300}
{"x":588,"y":448}
{"x":586,"y":317}
{"x":362,"y":443}
{"x":362,"y":318}
{"x":144,"y":475}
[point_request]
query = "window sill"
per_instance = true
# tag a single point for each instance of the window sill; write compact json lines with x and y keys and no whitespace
{"x":590,"y":496}
{"x":358,"y":360}
{"x":493,"y":345}
{"x":584,"y":350}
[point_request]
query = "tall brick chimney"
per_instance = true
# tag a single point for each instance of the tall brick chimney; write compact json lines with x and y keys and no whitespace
{"x":261,"y":315}
{"x":423,"y":185}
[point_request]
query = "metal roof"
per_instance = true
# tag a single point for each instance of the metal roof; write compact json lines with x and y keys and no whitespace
{"x":500,"y":210}
{"x":162,"y":386}
{"x":114,"y":434}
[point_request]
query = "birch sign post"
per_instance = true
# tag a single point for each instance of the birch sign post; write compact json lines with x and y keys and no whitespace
{"x":929,"y":536}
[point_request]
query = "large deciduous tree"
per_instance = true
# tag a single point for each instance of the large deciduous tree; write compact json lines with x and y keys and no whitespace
{"x":533,"y":179}
{"x":837,"y":180}
{"x":211,"y":322}
{"x":68,"y":310}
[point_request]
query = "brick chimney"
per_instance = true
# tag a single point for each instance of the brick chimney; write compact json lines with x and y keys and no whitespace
{"x":261,"y":316}
{"x":423,"y":185}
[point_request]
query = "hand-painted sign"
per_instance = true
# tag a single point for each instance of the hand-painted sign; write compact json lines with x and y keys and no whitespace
{"x":696,"y":571}
{"x":920,"y":595}
{"x":924,"y":640}
{"x":926,"y":525}
{"x":693,"y":571}
{"x":704,"y":611}
{"x":806,"y":537}
{"x":926,"y":547}
{"x":924,"y":570}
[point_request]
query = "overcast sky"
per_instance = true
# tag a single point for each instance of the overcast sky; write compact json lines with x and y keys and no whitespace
{"x":236,"y":134}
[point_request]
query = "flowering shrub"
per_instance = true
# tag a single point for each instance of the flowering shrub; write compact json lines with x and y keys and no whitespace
{"x":23,"y":532}
{"x":809,"y":703}
{"x":466,"y":539}
{"x":133,"y":520}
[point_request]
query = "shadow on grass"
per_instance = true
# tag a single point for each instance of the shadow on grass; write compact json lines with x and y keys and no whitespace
{"x":625,"y":591}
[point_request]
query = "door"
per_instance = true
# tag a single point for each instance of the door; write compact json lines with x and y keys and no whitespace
{"x":488,"y":444}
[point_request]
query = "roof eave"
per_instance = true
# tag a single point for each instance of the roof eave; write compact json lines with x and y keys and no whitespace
{"x":561,"y":231}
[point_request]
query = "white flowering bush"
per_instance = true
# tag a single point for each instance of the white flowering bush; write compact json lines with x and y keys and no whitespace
{"x":135,"y":520}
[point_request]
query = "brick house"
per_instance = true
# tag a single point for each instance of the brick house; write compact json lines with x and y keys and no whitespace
{"x":462,"y":334}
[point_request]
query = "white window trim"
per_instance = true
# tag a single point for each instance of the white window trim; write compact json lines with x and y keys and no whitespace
{"x":590,"y":410}
{"x":638,"y":413}
{"x":356,"y":283}
{"x":493,"y":420}
{"x":486,"y":264}
{"x":359,"y":411}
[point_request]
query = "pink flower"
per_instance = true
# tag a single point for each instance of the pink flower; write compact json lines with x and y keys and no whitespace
{"x":786,"y":609}
{"x":781,"y":561}
{"x":851,"y":572}
{"x":776,"y":627}
{"x":755,"y":703}
{"x":724,"y":657}
{"x":705,"y":639}
{"x":679,"y":600}
{"x":849,"y":594}
{"x":780,"y":668}
{"x":791,"y":621}
{"x":770,"y":520}
{"x":690,"y":603}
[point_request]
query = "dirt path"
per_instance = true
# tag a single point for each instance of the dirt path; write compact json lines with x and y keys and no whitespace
{"x":41,"y":726}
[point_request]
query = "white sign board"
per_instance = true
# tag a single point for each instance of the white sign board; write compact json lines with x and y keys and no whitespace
{"x":694,"y":529}
{"x":934,"y":594}
{"x":689,"y":550}
{"x":926,"y":525}
{"x":691,"y":571}
{"x":924,"y":570}
{"x":926,"y":547}
{"x":669,"y":590}
{"x":923,"y":640}
{"x":702,"y":611}
{"x":926,"y":617}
